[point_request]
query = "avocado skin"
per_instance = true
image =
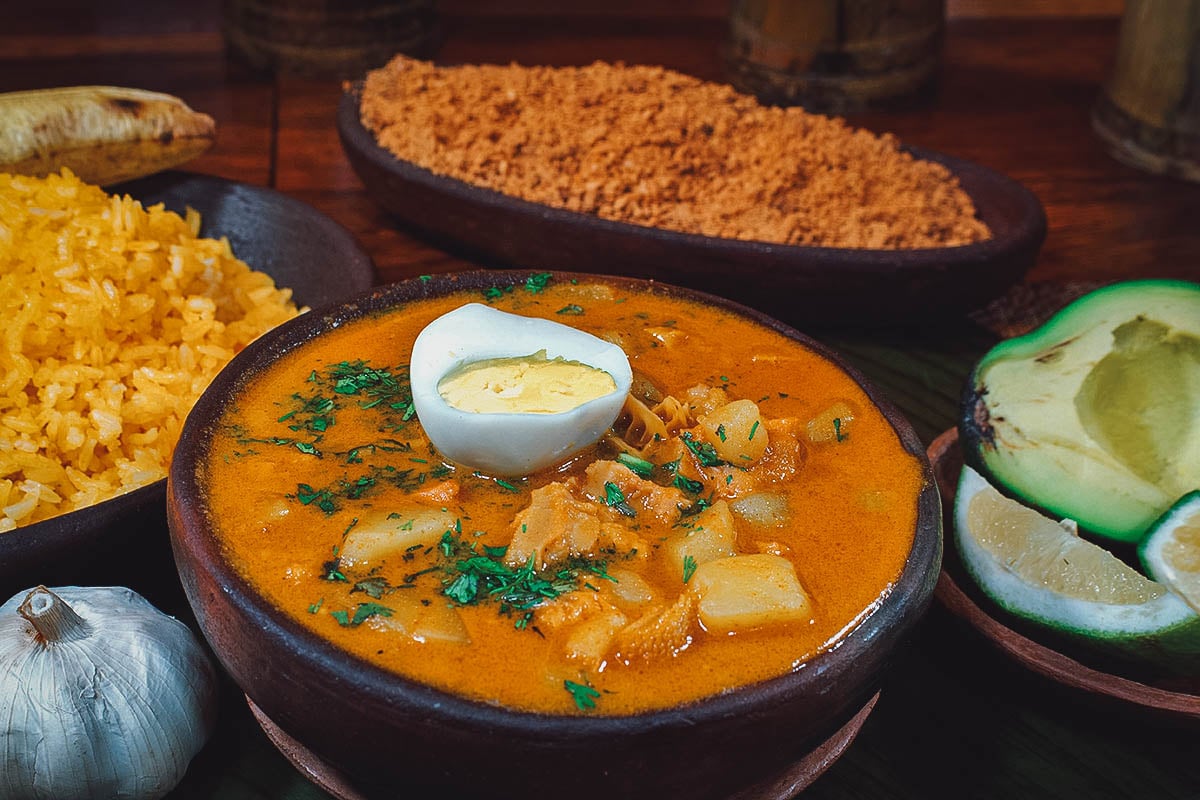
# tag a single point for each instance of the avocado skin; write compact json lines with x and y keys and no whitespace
{"x":975,"y":423}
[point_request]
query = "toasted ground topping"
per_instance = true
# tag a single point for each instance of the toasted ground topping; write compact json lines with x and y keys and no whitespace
{"x":658,"y":148}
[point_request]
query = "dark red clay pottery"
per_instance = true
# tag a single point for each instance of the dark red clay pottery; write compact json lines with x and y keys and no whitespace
{"x":1102,"y":683}
{"x":807,"y":286}
{"x":390,"y":736}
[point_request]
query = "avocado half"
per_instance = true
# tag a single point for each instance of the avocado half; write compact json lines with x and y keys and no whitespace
{"x":1095,"y":415}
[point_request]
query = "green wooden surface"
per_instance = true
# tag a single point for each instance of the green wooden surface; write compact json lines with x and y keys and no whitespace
{"x":955,"y":718}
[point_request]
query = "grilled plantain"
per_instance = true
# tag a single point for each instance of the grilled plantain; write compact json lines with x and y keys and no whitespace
{"x":104,"y":134}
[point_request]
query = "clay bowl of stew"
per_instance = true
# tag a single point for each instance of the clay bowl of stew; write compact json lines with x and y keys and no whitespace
{"x":303,"y":627}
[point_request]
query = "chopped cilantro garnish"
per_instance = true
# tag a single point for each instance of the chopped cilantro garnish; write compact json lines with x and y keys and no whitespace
{"x":583,"y":695}
{"x":463,"y":589}
{"x":412,"y":576}
{"x":837,"y":429}
{"x":721,"y":432}
{"x":323,"y":498}
{"x":537,"y":282}
{"x":376,"y":586}
{"x":362,"y":613}
{"x":355,"y":377}
{"x":689,"y":568}
{"x":386,"y":388}
{"x":700,"y":504}
{"x":354,"y":489}
{"x":704,"y":451}
{"x":333,"y":571}
{"x":687,"y":484}
{"x":640,"y":466}
{"x":315,"y":607}
{"x":472,"y":577}
{"x":571,"y":309}
{"x":314,"y":413}
{"x":481,"y":578}
{"x":613,"y":496}
{"x":753,"y":430}
{"x":598,"y":568}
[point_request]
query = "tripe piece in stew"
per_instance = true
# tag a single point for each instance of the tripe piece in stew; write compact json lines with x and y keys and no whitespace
{"x":747,"y":509}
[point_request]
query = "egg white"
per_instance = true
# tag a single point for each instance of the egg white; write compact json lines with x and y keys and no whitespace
{"x":511,"y":444}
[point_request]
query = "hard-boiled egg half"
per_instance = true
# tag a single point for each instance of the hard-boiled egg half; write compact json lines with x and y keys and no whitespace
{"x":508,"y":395}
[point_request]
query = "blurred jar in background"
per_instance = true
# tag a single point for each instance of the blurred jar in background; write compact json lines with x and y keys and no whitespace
{"x":1149,"y":112}
{"x":328,"y":38}
{"x":835,"y":55}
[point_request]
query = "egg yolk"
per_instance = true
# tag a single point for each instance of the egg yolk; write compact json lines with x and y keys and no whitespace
{"x":532,"y":384}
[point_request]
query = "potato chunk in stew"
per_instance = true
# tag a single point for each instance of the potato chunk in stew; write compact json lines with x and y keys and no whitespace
{"x":707,"y":536}
{"x":736,"y":432}
{"x":374,"y":538}
{"x":435,"y":622}
{"x":743,"y":592}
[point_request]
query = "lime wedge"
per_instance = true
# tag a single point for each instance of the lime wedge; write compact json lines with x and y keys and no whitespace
{"x":1170,"y":551}
{"x":1042,"y":571}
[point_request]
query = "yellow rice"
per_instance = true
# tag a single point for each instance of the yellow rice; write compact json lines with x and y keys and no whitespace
{"x":113,"y":319}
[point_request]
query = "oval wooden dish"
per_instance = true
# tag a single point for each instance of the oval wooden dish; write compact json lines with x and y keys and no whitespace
{"x":125,"y":537}
{"x":343,"y":715}
{"x":806,"y":285}
{"x":955,"y":592}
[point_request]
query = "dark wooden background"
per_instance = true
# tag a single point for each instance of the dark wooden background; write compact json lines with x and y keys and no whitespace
{"x":955,"y":718}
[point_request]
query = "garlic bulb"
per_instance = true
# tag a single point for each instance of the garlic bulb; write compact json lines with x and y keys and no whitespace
{"x":101,"y":696}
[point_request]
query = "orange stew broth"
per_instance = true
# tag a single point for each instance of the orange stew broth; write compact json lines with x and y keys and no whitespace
{"x":852,"y":505}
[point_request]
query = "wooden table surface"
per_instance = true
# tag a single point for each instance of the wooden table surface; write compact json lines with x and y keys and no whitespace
{"x":955,"y":718}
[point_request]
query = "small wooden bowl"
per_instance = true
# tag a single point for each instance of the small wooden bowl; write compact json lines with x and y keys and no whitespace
{"x":124,"y":539}
{"x":811,"y":285}
{"x":381,"y":730}
{"x":945,"y":455}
